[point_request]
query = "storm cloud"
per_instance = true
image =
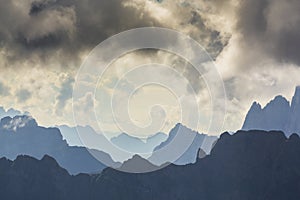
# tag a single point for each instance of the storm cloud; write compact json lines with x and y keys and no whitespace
{"x":63,"y":31}
{"x":255,"y":44}
{"x":262,"y":30}
{"x":273,"y":26}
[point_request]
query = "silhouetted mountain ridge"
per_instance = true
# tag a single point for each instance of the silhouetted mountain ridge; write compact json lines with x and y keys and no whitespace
{"x":254,"y":165}
{"x":186,"y":137}
{"x":137,"y":145}
{"x":21,"y":135}
{"x":278,"y":114}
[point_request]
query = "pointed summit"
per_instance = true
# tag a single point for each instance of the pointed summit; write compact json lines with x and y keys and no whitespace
{"x":185,"y":140}
{"x":255,"y":106}
{"x":294,"y":120}
{"x":19,"y":121}
{"x":137,"y":164}
{"x":297,"y":89}
{"x":278,"y":114}
{"x":296,"y":97}
{"x":251,"y":119}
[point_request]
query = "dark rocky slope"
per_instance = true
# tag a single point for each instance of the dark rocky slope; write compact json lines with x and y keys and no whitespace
{"x":254,"y":165}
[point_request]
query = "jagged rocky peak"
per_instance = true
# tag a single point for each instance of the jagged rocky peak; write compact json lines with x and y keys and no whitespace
{"x":297,"y":91}
{"x":255,"y":163}
{"x":18,"y":121}
{"x":294,"y":119}
{"x":280,"y":98}
{"x":278,"y":114}
{"x":255,"y":106}
{"x":273,"y":116}
{"x":279,"y":102}
{"x":296,"y":97}
{"x":5,"y":121}
{"x":179,"y":131}
{"x":279,"y":106}
{"x":181,"y":128}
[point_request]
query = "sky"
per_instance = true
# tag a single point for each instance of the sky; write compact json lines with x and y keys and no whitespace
{"x":254,"y":45}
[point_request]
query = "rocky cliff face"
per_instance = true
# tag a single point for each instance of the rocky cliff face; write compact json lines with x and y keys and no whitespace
{"x":278,"y":114}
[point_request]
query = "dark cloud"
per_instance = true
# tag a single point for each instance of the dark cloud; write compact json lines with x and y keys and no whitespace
{"x":63,"y":29}
{"x":215,"y":42}
{"x":66,"y":28}
{"x":272,"y":26}
{"x":268,"y":30}
{"x":24,"y":36}
{"x":23,"y":95}
{"x":38,"y":6}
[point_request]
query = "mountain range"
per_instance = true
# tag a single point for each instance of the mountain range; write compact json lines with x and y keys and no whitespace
{"x":278,"y":114}
{"x":10,"y":112}
{"x":90,"y":138}
{"x":21,"y":135}
{"x":137,"y":145}
{"x":186,"y":136}
{"x":134,"y":145}
{"x":256,"y":165}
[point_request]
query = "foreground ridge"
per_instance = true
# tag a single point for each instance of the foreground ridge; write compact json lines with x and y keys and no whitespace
{"x":245,"y":165}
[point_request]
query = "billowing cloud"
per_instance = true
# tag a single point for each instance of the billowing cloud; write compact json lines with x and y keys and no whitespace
{"x":65,"y":93}
{"x":23,"y":95}
{"x":255,"y":44}
{"x":4,"y":90}
{"x":25,"y":36}
{"x":261,"y":58}
{"x":271,"y":26}
{"x":261,"y":31}
{"x":62,"y":31}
